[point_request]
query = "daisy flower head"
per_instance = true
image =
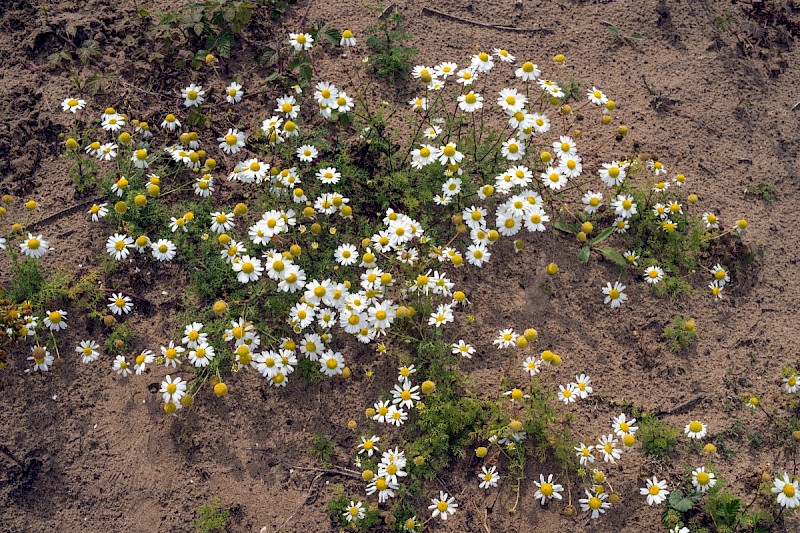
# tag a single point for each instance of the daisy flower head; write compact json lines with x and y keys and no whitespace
{"x":42,"y":360}
{"x":607,"y":445}
{"x":513,"y":149}
{"x":368,"y":445}
{"x":511,"y":101}
{"x":247,"y":269}
{"x":584,"y":454}
{"x":171,"y":122}
{"x":113,"y":122}
{"x":624,"y":206}
{"x":716,"y":289}
{"x":444,"y":506}
{"x":720,"y":275}
{"x":163,"y":250}
{"x":88,"y":350}
{"x":98,"y":211}
{"x":596,"y":96}
{"x":234,"y":93}
{"x":470,"y":102}
{"x":532,"y":365}
{"x":141,"y":361}
{"x":614,"y":294}
{"x":172,"y":354}
{"x":232,"y":142}
{"x":489,"y":477}
{"x":287,"y":104}
{"x":451,"y":187}
{"x":622,"y":425}
{"x":547,"y":490}
{"x":787,"y":491}
{"x":564,"y":146}
{"x":383,"y":487}
{"x":791,"y":384}
{"x":449,"y":154}
{"x":34,"y":247}
{"x":657,"y":167}
{"x":695,"y":430}
{"x":423,"y":156}
{"x":331,"y":363}
{"x":193,"y":95}
{"x":355,"y":510}
{"x":346,"y":254}
{"x":592,"y":201}
{"x":710,"y":220}
{"x":655,"y":491}
{"x":347,"y":39}
{"x":503,"y":55}
{"x":568,"y":394}
{"x":201,"y":355}
{"x":595,"y":504}
{"x":121,"y":366}
{"x":478,"y":254}
{"x":506,"y":338}
{"x":120,"y":304}
{"x":466,"y":76}
{"x":527,"y":72}
{"x":702,"y":479}
{"x":222,"y":222}
{"x":482,"y":62}
{"x":419,"y":103}
{"x":55,"y":320}
{"x":396,"y":416}
{"x":445,"y":69}
{"x":462,"y":348}
{"x":301,"y":41}
{"x":612,"y":174}
{"x":631,"y":257}
{"x":442,"y":315}
{"x":583,"y":386}
{"x":73,"y":105}
{"x":329,"y":175}
{"x":307,"y":153}
{"x":553,"y":178}
{"x":653,"y":274}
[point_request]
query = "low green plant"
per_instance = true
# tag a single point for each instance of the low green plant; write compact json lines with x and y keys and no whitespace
{"x":339,"y":506}
{"x":321,"y":448}
{"x":390,"y":57}
{"x":657,"y":437}
{"x":210,"y":26}
{"x":680,"y":334}
{"x":212,"y":517}
{"x":766,"y":191}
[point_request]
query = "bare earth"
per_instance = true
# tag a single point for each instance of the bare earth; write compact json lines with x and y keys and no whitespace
{"x":98,"y":452}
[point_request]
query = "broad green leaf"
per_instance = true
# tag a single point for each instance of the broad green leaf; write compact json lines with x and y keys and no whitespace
{"x":613,"y":255}
{"x":566,"y":227}
{"x":603,"y":236}
{"x":583,"y":254}
{"x":613,"y":30}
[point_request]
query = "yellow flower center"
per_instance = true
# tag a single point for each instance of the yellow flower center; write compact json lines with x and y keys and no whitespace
{"x":594,"y":201}
{"x":442,"y":506}
{"x":483,"y":56}
{"x":613,"y":294}
{"x":547,"y":489}
{"x":595,"y":503}
{"x":527,"y":67}
{"x":254,"y":166}
{"x":565,"y":147}
{"x":510,"y":100}
{"x":192,"y":95}
{"x":695,"y":426}
{"x":449,"y":150}
{"x":703,"y":478}
{"x":301,"y":39}
{"x":171,"y":353}
{"x":200,"y":353}
{"x":381,"y":484}
{"x":654,"y":490}
{"x":141,"y":155}
{"x":788,"y":490}
{"x":627,"y":204}
{"x":55,"y":317}
{"x":613,"y":172}
{"x":248,"y":268}
{"x":326,"y":93}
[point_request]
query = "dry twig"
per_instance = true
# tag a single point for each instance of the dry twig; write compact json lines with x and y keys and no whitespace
{"x":447,"y":16}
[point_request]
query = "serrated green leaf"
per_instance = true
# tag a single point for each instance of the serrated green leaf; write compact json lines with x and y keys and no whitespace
{"x":566,"y":227}
{"x":583,"y":254}
{"x":613,"y":255}
{"x":603,"y":236}
{"x":334,"y":35}
{"x":305,"y":72}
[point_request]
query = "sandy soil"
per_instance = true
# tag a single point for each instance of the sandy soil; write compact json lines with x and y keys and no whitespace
{"x":97,"y":452}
